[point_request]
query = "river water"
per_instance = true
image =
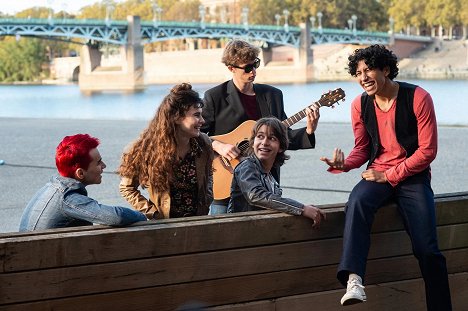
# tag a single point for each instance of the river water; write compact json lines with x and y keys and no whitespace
{"x":66,"y":101}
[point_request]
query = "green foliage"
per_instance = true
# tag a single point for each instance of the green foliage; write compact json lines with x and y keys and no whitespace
{"x":21,"y":60}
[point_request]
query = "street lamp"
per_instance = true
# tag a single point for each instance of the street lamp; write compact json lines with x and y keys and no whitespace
{"x":277,"y":18}
{"x":222,"y":14}
{"x":390,"y":32}
{"x":51,"y":12}
{"x":286,"y":15}
{"x":64,"y":8}
{"x":350,"y":25}
{"x":202,"y":12}
{"x":156,"y":13}
{"x":319,"y":16}
{"x":245,"y":17}
{"x":391,"y":22}
{"x":312,"y":22}
{"x":159,"y":11}
{"x":354,"y":18}
{"x":109,"y":9}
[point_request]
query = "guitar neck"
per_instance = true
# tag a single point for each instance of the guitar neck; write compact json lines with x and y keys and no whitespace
{"x":297,"y":117}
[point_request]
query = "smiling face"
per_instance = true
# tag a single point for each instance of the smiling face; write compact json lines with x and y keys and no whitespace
{"x":266,"y":146}
{"x":189,"y":125}
{"x":93,"y":174}
{"x":373,"y":81}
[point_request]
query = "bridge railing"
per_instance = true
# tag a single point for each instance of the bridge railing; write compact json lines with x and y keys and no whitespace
{"x":114,"y":31}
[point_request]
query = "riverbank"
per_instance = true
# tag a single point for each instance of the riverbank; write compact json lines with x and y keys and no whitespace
{"x":438,"y":60}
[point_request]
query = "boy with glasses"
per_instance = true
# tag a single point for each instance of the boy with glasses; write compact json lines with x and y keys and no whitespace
{"x":231,"y":103}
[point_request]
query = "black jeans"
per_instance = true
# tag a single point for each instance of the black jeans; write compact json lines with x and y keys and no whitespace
{"x":415,"y":201}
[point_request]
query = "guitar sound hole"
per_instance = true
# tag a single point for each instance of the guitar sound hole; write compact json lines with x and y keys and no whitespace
{"x":243,"y":146}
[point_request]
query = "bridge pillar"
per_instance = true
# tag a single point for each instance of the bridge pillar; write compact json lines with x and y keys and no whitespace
{"x":304,"y":57}
{"x":129,"y":77}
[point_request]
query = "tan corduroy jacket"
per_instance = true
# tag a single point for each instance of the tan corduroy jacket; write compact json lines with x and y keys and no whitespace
{"x":159,"y":204}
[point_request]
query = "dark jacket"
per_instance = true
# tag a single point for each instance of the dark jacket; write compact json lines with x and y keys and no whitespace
{"x":223,"y":112}
{"x":253,"y":189}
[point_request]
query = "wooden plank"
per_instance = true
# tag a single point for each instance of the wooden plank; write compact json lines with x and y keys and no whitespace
{"x":88,"y":279}
{"x":236,"y":289}
{"x":209,"y":234}
{"x":458,"y":198}
{"x":401,"y":295}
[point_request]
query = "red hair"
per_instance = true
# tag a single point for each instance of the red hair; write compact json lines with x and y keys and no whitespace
{"x":73,"y":153}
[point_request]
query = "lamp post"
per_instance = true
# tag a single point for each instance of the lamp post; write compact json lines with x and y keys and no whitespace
{"x":202,"y":12}
{"x":159,"y":11}
{"x":245,"y":17}
{"x":391,"y":34}
{"x":312,"y":22}
{"x":319,"y":16}
{"x":109,"y":10}
{"x":155,"y":7}
{"x":222,"y":14}
{"x":64,"y":8}
{"x":391,"y":22}
{"x":286,"y":15}
{"x":354,"y":18}
{"x":277,"y":18}
{"x":51,"y":12}
{"x":350,"y":25}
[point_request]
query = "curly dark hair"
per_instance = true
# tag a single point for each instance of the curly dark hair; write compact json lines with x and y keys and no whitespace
{"x":277,"y":128}
{"x":151,"y":156}
{"x":375,"y":56}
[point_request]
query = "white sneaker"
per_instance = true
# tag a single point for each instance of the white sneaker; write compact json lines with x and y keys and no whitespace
{"x":354,"y":293}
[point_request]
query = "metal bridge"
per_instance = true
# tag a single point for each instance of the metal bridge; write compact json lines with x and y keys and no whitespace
{"x":116,"y":32}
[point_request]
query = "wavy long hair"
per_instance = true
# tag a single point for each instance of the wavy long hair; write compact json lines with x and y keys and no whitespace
{"x":152,"y":155}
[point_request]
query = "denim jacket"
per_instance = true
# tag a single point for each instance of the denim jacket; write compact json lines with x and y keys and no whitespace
{"x":253,"y":189}
{"x":64,"y":202}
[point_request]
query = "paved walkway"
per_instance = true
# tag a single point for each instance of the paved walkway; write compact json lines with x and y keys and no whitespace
{"x":28,"y":147}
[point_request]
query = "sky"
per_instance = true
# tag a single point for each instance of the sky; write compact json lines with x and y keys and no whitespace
{"x":71,"y":6}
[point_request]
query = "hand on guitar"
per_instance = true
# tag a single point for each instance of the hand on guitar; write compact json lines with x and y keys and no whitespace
{"x":226,"y":150}
{"x":313,"y":116}
{"x":315,"y":214}
{"x":337,"y":162}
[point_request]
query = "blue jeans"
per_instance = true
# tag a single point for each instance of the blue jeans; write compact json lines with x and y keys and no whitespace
{"x":415,"y":201}
{"x":218,"y":207}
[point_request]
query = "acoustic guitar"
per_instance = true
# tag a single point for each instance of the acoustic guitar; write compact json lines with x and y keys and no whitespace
{"x":223,"y":169}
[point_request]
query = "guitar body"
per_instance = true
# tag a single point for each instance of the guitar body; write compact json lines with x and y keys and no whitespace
{"x":223,"y":168}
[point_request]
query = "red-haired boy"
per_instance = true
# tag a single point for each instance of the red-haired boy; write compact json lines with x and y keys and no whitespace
{"x":64,"y":201}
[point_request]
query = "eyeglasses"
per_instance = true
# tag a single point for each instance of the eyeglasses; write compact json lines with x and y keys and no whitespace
{"x":248,"y":68}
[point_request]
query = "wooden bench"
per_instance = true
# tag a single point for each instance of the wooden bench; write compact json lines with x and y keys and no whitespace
{"x":250,"y":261}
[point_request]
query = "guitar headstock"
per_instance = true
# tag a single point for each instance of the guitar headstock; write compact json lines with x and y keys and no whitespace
{"x":331,"y":98}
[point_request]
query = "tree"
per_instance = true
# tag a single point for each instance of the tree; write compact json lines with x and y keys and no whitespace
{"x":464,"y":18}
{"x":442,"y":13}
{"x":35,"y":12}
{"x":21,"y":60}
{"x":407,"y":14}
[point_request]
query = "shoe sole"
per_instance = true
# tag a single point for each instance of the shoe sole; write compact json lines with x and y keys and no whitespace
{"x":352,"y":301}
